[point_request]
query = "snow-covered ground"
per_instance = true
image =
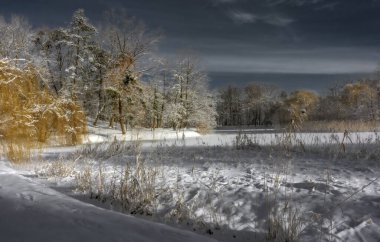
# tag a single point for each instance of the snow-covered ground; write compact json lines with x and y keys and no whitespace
{"x":102,"y":133}
{"x":31,"y":211}
{"x":217,"y":185}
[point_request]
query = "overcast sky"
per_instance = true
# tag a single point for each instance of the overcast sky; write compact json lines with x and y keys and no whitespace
{"x":244,"y":36}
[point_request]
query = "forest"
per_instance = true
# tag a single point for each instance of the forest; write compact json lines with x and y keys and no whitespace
{"x":266,"y":105}
{"x":110,"y":72}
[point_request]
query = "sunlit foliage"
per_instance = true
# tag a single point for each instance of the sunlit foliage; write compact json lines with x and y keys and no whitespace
{"x":30,"y":116}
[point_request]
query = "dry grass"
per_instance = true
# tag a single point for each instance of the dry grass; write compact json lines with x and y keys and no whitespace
{"x":285,"y":224}
{"x":286,"y":219}
{"x":136,"y":189}
{"x":203,"y":128}
{"x":60,"y":168}
{"x":104,"y":151}
{"x":84,"y":179}
{"x":133,"y":186}
{"x":341,"y":126}
{"x":245,"y":142}
{"x":17,"y":152}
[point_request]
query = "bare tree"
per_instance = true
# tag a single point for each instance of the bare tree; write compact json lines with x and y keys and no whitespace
{"x":127,"y":42}
{"x":230,"y":106}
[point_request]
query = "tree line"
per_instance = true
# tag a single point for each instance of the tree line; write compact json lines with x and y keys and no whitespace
{"x":266,"y":105}
{"x":111,"y":70}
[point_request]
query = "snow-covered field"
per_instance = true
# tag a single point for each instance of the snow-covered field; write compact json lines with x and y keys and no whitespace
{"x":314,"y":187}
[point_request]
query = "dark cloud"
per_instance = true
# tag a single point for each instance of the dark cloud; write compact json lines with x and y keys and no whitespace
{"x":328,"y":6}
{"x":300,"y":36}
{"x":277,"y":20}
{"x":242,"y":17}
{"x":298,"y":3}
{"x":224,"y":1}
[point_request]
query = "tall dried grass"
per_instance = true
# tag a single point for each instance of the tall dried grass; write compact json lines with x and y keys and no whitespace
{"x":341,"y":126}
{"x":132,"y":186}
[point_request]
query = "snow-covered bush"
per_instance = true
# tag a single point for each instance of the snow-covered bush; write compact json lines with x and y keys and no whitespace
{"x":173,"y":115}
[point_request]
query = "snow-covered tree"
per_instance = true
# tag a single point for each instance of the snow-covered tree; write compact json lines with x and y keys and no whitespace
{"x":81,"y":35}
{"x":76,"y":62}
{"x":15,"y":38}
{"x":190,"y":94}
{"x":51,"y":48}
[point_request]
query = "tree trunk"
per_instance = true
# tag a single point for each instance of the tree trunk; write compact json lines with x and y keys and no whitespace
{"x":101,"y":102}
{"x":112,"y":121}
{"x":160,"y":119}
{"x":74,"y":83}
{"x":98,"y":115}
{"x":121,"y":118}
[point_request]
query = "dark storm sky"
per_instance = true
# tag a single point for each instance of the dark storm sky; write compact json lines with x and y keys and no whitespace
{"x":308,"y":37}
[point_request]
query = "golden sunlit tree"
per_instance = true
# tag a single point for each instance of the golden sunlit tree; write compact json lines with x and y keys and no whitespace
{"x":360,"y":99}
{"x":300,"y":105}
{"x":30,"y":116}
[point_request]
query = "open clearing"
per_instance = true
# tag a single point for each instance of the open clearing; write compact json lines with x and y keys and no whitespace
{"x":229,"y":186}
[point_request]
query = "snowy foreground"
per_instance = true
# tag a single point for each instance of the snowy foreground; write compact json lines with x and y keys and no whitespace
{"x":30,"y":211}
{"x":219,"y":186}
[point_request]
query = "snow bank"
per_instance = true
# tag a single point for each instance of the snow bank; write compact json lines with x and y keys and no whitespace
{"x":94,"y":138}
{"x":103,"y":133}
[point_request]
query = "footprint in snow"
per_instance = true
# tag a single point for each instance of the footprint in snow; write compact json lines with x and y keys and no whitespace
{"x":192,"y":193}
{"x":259,"y":186}
{"x":25,"y":196}
{"x":363,"y":169}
